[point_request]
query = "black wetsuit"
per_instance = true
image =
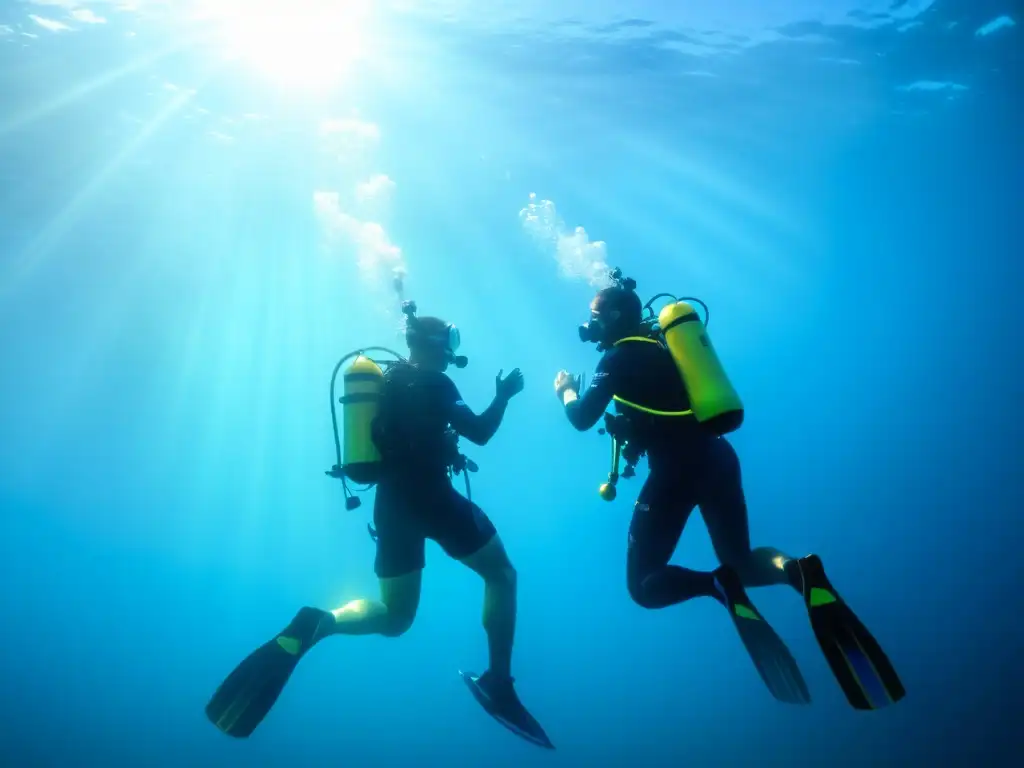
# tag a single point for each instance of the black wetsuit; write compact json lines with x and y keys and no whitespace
{"x":689,"y":467}
{"x":415,"y":498}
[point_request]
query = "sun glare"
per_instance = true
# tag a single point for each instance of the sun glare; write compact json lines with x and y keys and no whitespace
{"x":309,"y":44}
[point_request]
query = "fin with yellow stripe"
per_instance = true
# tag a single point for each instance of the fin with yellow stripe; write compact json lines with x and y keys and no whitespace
{"x":859,"y":664}
{"x":772,"y":659}
{"x":247,"y":695}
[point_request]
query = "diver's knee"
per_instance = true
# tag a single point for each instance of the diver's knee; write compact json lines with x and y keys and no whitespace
{"x":505,"y":577}
{"x":739,"y":560}
{"x":397,"y":624}
{"x":640,"y":594}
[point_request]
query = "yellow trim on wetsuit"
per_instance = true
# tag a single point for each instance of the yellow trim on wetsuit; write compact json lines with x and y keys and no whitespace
{"x":643,"y":409}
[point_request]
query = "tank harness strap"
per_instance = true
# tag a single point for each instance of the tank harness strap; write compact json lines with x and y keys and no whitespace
{"x":636,"y":338}
{"x":651,"y":411}
{"x":636,"y":406}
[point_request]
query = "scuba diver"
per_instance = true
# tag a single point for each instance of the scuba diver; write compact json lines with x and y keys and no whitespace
{"x":401,"y":434}
{"x":674,"y":403}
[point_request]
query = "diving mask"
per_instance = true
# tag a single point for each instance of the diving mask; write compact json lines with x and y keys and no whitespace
{"x":597,"y":330}
{"x":449,"y":340}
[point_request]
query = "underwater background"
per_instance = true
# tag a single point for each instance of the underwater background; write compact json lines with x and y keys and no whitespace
{"x":202,"y":206}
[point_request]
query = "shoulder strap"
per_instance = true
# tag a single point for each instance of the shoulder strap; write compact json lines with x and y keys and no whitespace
{"x":636,"y":338}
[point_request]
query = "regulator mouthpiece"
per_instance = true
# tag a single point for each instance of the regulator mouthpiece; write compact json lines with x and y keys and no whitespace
{"x":590,"y":333}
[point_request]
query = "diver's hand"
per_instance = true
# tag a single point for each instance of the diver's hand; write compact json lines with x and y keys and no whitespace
{"x":510,"y":386}
{"x":566,"y":382}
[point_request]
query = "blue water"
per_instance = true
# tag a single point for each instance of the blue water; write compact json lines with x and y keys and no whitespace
{"x":189,"y":241}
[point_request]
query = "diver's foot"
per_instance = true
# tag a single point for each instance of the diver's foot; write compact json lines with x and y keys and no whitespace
{"x":497,"y":695}
{"x":310,"y":626}
{"x":797,"y":569}
{"x":728,"y":587}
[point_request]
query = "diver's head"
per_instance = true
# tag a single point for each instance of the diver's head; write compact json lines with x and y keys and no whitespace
{"x":615,"y":313}
{"x":433,"y":343}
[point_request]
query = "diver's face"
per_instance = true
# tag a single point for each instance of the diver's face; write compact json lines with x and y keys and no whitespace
{"x":431,"y":358}
{"x":603,"y":320}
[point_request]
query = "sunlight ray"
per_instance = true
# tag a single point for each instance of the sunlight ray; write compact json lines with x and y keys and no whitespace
{"x":110,"y":318}
{"x":41,"y":247}
{"x":183,"y":404}
{"x":682,"y":162}
{"x":297,"y":332}
{"x":219,"y":452}
{"x":716,"y":209}
{"x":16,"y":121}
{"x":733,"y":231}
{"x":650,"y":234}
{"x":197,"y":414}
{"x":263,"y":386}
{"x":195,"y":335}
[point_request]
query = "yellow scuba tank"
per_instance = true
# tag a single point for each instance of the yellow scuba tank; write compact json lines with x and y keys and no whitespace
{"x":714,"y":402}
{"x":364,"y":381}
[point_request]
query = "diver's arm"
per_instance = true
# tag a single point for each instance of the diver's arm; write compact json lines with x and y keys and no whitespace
{"x":587,"y":409}
{"x":478,"y":429}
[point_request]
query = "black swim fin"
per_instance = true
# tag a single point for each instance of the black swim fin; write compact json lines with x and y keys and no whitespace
{"x":858,"y":662}
{"x":499,"y":700}
{"x":771,"y":657}
{"x":249,"y":692}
